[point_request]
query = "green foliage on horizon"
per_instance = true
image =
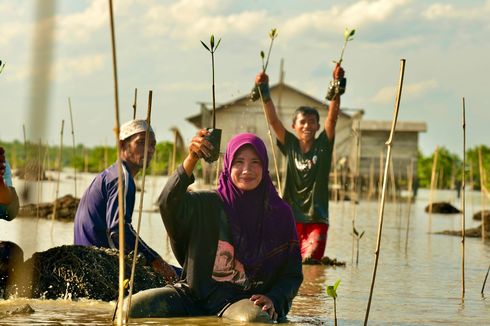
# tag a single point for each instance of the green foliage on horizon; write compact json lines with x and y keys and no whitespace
{"x":450,"y":166}
{"x":87,"y":159}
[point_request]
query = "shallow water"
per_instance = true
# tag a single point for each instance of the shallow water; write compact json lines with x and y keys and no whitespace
{"x":420,"y":286}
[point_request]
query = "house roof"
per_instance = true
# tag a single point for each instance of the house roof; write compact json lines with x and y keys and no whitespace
{"x":378,"y":125}
{"x":196,"y":119}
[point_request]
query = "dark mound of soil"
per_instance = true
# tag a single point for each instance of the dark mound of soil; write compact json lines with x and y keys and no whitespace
{"x":74,"y":272}
{"x":470,"y":233}
{"x":442,"y":208}
{"x":66,"y":207}
{"x":486,"y":216}
{"x":324,"y":261}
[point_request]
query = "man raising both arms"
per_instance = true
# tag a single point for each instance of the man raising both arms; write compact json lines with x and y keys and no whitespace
{"x":308,"y":163}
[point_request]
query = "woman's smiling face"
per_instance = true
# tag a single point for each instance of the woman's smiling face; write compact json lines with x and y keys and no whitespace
{"x":246,"y":169}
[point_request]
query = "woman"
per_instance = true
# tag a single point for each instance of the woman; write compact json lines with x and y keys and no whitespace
{"x":237,"y":245}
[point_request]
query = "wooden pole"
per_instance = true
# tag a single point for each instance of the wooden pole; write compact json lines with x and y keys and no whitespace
{"x":482,"y":195}
{"x":271,"y":142}
{"x":371,"y":180}
{"x":119,"y":171}
{"x":385,"y":178}
{"x":463,"y":205}
{"x":39,"y":171}
{"x":140,"y":211}
{"x":432,"y":186}
{"x":409,"y":200}
{"x":485,"y":280}
{"x":135,"y":102}
{"x":74,"y":148}
{"x":55,"y":206}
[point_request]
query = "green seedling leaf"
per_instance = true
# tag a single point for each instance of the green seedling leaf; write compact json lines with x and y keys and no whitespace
{"x":205,"y":46}
{"x":336,"y":285}
{"x":211,"y":41}
{"x":348,"y":34}
{"x":273,"y":33}
{"x":126,"y":283}
{"x":331,"y":292}
{"x":355,"y":231}
{"x":262,"y":54}
{"x":361,"y":234}
{"x":217,"y":44}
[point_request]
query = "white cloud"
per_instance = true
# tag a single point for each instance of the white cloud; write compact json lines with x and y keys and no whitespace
{"x":79,"y":27}
{"x":439,"y":11}
{"x":387,"y":94}
{"x":187,"y":20}
{"x":338,"y":17}
{"x":85,"y":65}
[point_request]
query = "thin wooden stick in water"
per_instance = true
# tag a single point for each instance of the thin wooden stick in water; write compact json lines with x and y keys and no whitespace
{"x":409,"y":200}
{"x":485,"y":280}
{"x":463,"y":205}
{"x":39,"y":166}
{"x":278,"y":176}
{"x":482,"y":195}
{"x":135,"y":102}
{"x":385,"y":178}
{"x":432,"y":186}
{"x":120,"y":174}
{"x":74,"y":148}
{"x":140,"y":211}
{"x":55,"y":207}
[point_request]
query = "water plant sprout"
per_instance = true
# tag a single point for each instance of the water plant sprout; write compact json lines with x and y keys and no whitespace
{"x":332,"y":292}
{"x":272,"y":34}
{"x":358,"y":237}
{"x":1,"y":66}
{"x":211,"y":48}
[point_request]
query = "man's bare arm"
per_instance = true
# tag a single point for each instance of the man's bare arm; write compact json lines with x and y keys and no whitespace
{"x":271,"y":112}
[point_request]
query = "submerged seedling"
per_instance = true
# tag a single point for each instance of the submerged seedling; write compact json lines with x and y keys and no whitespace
{"x":212,"y":48}
{"x":348,"y":36}
{"x":332,"y":292}
{"x":358,"y":237}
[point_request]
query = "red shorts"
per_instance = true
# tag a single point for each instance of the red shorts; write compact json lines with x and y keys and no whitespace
{"x":312,"y":239}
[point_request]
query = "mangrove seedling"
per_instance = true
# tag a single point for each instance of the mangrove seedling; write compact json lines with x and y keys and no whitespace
{"x":348,"y":36}
{"x":211,"y":48}
{"x":332,"y":292}
{"x":254,"y":94}
{"x":272,"y":35}
{"x":358,"y":237}
{"x":2,"y":65}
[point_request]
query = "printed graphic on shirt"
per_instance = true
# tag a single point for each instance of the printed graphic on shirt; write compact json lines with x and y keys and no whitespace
{"x":226,"y":267}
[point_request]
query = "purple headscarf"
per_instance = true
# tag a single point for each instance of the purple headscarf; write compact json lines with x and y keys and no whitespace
{"x":261,"y":223}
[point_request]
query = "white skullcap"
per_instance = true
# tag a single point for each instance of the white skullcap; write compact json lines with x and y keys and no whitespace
{"x":133,"y":127}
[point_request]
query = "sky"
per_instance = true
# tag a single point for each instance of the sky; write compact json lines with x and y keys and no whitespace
{"x":445,"y":44}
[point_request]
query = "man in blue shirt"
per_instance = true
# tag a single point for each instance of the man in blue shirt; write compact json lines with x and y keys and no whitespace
{"x":97,"y":217}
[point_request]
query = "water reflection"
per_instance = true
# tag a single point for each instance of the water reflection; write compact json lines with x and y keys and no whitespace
{"x":421,"y":286}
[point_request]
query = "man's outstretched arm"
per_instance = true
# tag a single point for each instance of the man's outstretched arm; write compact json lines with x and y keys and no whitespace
{"x":262,"y":81}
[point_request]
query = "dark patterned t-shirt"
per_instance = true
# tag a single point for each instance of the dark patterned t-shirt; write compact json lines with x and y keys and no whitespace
{"x":306,"y":185}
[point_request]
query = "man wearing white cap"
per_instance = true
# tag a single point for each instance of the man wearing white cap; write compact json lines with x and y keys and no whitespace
{"x":97,"y":217}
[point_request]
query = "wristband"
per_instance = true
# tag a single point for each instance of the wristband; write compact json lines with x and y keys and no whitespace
{"x":264,"y":90}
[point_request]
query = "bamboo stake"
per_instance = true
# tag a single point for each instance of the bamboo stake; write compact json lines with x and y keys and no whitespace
{"x":55,"y":207}
{"x":385,"y":178}
{"x":39,"y":171}
{"x":371,"y":180}
{"x":432,"y":186}
{"x":25,"y":157}
{"x":134,"y":103}
{"x":409,"y":200}
{"x":271,"y":142}
{"x":120,"y":174}
{"x":355,"y":183}
{"x":482,"y":196}
{"x":140,"y":211}
{"x":463,"y":205}
{"x":380,"y":175}
{"x":74,"y":149}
